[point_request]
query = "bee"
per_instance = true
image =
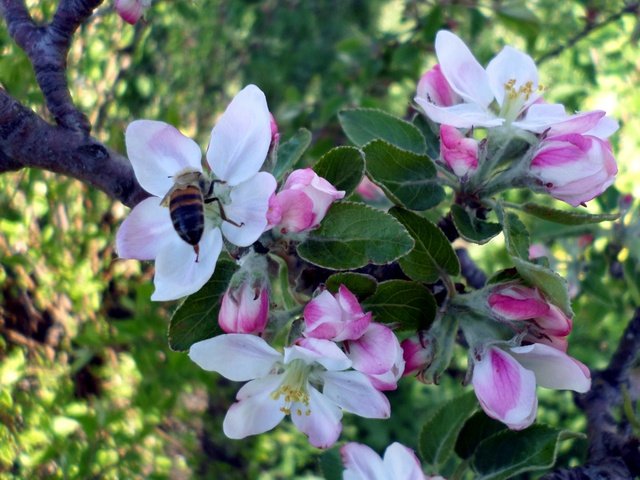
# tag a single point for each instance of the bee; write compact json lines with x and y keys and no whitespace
{"x":186,"y":199}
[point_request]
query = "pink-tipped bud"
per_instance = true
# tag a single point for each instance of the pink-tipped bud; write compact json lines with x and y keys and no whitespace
{"x":460,"y":153}
{"x":275,"y":135}
{"x":369,"y":190}
{"x":131,"y":10}
{"x":418,"y":354}
{"x":574,"y":168}
{"x":244,"y":310}
{"x":303,"y":201}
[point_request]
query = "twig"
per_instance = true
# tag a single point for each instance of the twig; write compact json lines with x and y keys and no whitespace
{"x":589,"y":28}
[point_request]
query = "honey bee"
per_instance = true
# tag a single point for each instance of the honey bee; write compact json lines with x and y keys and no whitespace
{"x":186,"y":199}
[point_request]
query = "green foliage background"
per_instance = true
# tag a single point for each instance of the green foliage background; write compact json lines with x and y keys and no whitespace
{"x":88,"y":385}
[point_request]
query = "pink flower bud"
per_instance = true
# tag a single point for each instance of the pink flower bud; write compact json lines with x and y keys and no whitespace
{"x":574,"y":168}
{"x":304,"y":201}
{"x":244,"y":310}
{"x":275,"y":135}
{"x":131,"y":10}
{"x":336,"y":317}
{"x":520,"y":303}
{"x":418,"y":354}
{"x":434,"y":88}
{"x":369,"y":190}
{"x":460,"y":153}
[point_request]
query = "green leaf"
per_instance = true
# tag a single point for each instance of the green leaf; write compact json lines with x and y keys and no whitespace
{"x":353,"y":235}
{"x":408,"y":179}
{"x":331,"y":464}
{"x":291,"y":151}
{"x":432,"y":256}
{"x":363,"y":125}
{"x":343,"y":167}
{"x":360,"y":284}
{"x":438,"y":435}
{"x":552,"y":284}
{"x":429,"y":131}
{"x":196,"y":318}
{"x":516,"y":236}
{"x":475,"y":430}
{"x":509,"y":453}
{"x":471,"y":228}
{"x":567,"y":217}
{"x":409,"y":305}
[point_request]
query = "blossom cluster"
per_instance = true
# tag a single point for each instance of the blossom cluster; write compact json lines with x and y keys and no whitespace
{"x":569,"y":154}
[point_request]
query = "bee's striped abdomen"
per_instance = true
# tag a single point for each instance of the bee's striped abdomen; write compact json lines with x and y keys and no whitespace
{"x":187,"y":213}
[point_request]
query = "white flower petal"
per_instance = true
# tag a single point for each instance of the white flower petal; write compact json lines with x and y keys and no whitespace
{"x":257,"y":413}
{"x":158,"y":151}
{"x":462,"y":115}
{"x":322,"y":423}
{"x":241,"y":138}
{"x":606,"y":127}
{"x":511,"y":64}
{"x":353,"y":392}
{"x":362,"y":462}
{"x":248,"y":208}
{"x":553,"y":368}
{"x":401,"y":462}
{"x":236,"y":356}
{"x":463,"y":72}
{"x":145,"y":231}
{"x":324,"y":352}
{"x":177,"y":272}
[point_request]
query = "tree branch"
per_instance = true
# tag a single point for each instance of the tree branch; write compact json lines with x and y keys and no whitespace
{"x":47,"y":48}
{"x":26,"y":140}
{"x":613,"y":449}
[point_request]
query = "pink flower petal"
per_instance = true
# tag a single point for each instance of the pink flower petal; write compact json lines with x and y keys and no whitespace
{"x":145,"y":231}
{"x":353,"y":392}
{"x":322,"y":424}
{"x":238,"y":357}
{"x":434,"y":88}
{"x":257,"y":412}
{"x":248,"y":208}
{"x":375,"y":352}
{"x":457,"y":151}
{"x":463,"y":72}
{"x":518,"y":303}
{"x":506,"y":391}
{"x":553,"y":368}
{"x":158,"y":152}
{"x":323,"y":317}
{"x":241,"y":138}
{"x":296,"y":211}
{"x":177,"y":272}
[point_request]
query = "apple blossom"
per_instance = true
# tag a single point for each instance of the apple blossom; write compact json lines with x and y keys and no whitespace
{"x":244,"y":309}
{"x":398,"y":463}
{"x":159,"y":153}
{"x":311,"y":382}
{"x":461,"y":93}
{"x":131,"y":10}
{"x":302,"y":202}
{"x":458,"y":152}
{"x":574,"y":168}
{"x":505,"y":382}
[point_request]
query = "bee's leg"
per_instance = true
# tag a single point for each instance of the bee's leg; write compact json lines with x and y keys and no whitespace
{"x":196,"y":248}
{"x":223,"y":216}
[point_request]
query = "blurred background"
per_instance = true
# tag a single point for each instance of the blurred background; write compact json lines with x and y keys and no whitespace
{"x":88,"y":385}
